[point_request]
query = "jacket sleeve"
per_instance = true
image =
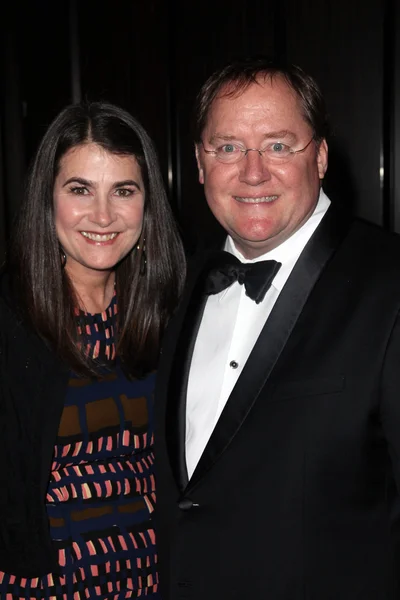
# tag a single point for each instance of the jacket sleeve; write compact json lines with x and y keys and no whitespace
{"x":390,"y":418}
{"x":390,"y":398}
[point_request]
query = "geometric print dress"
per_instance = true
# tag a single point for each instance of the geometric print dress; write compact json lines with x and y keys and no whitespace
{"x":101,"y":494}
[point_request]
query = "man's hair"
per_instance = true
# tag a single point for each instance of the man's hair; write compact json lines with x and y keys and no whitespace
{"x":45,"y":292}
{"x":234,"y":78}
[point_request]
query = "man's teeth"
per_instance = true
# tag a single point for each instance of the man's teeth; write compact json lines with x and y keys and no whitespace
{"x":96,"y":237}
{"x":256,"y":200}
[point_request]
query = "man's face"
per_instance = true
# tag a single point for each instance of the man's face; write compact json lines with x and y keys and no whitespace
{"x":258,"y":202}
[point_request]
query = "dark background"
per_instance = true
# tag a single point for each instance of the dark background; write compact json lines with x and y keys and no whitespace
{"x":151,"y":56}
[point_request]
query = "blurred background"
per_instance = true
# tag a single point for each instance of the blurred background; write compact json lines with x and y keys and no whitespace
{"x":151,"y":56}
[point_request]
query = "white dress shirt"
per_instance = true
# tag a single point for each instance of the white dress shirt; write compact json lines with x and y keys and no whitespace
{"x":229,"y":329}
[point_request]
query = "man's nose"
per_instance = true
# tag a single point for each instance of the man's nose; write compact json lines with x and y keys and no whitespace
{"x":253,"y":169}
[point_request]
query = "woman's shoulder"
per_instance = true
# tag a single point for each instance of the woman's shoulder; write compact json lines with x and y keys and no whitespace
{"x":15,"y":333}
{"x":10,"y":313}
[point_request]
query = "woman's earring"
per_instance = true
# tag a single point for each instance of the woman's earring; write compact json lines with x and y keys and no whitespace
{"x":143,"y":259}
{"x":63,"y":258}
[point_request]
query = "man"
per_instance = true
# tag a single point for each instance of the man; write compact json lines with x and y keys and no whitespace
{"x":278,"y":409}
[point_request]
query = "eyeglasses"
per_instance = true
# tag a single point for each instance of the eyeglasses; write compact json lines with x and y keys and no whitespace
{"x":275,"y":152}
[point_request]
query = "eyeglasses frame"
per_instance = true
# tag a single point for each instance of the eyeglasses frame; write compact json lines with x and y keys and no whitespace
{"x":261,"y":152}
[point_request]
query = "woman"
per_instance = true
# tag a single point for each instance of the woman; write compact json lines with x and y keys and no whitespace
{"x":94,"y":272}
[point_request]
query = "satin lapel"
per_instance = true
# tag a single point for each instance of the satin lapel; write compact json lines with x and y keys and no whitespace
{"x":192,"y":309}
{"x":273,"y":337}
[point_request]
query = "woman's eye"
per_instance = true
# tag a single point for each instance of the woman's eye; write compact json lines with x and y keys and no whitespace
{"x":124,"y":193}
{"x":79,"y":191}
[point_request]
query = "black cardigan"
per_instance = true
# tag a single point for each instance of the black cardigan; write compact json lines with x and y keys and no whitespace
{"x":32,"y":389}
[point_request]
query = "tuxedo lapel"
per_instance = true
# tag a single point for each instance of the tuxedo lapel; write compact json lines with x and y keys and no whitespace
{"x":273,"y":337}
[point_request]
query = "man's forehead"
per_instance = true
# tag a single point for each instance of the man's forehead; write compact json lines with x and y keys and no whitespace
{"x":266,"y":90}
{"x":264,"y":82}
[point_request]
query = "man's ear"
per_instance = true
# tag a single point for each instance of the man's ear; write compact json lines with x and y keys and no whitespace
{"x":322,"y":159}
{"x":199,"y":165}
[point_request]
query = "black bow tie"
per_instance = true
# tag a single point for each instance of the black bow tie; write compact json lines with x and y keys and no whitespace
{"x":256,"y":277}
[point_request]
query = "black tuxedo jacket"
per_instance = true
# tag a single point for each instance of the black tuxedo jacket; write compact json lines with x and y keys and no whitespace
{"x":294,"y":497}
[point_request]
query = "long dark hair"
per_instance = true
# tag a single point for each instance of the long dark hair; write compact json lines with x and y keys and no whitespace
{"x":46,"y":295}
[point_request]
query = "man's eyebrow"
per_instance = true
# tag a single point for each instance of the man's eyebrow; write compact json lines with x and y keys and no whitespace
{"x":223,"y":137}
{"x":279,"y":134}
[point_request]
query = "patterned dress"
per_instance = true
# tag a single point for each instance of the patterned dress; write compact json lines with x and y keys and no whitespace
{"x":101,"y":493}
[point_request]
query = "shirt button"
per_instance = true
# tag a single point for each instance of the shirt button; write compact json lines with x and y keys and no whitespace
{"x":233,"y":364}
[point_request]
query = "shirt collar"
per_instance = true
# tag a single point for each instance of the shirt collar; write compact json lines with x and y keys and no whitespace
{"x":289,"y":251}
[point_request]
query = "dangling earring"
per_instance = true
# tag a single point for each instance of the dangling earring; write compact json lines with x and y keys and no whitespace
{"x":63,"y":258}
{"x":143,"y":259}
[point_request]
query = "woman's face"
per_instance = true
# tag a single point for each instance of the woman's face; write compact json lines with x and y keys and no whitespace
{"x":98,"y":206}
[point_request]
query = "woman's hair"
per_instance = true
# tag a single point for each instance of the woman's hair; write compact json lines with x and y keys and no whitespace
{"x":45,"y":292}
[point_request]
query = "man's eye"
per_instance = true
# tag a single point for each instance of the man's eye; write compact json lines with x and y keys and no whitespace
{"x":279,"y":148}
{"x":228,"y":149}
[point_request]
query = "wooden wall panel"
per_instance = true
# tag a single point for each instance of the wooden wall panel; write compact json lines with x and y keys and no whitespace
{"x":223,"y":31}
{"x":394,"y":150}
{"x":341,"y":44}
{"x":125,"y":60}
{"x":151,"y":57}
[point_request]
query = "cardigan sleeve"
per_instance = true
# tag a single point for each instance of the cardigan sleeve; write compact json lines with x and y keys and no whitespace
{"x":3,"y":414}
